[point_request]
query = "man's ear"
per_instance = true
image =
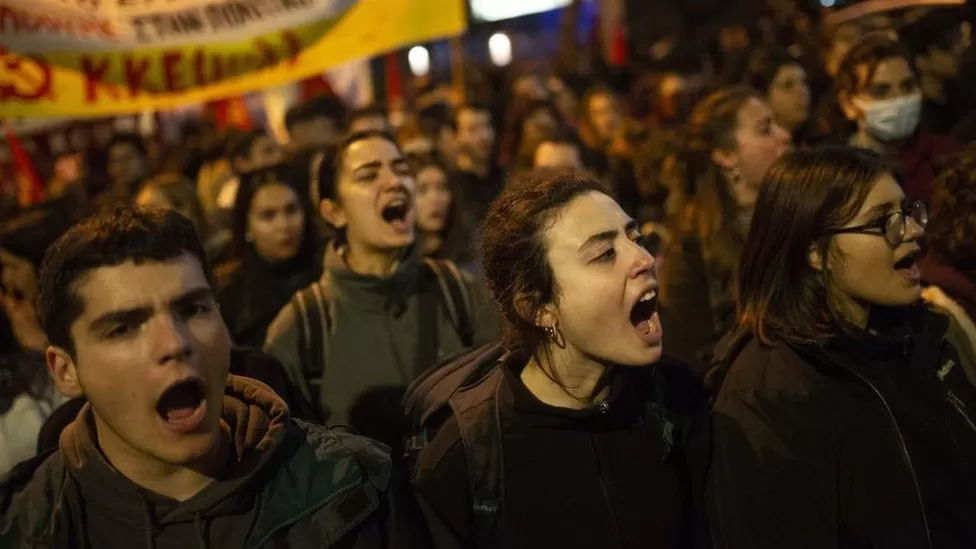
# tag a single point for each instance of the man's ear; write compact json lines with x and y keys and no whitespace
{"x":332,"y":213}
{"x":851,"y":111}
{"x":64,"y":372}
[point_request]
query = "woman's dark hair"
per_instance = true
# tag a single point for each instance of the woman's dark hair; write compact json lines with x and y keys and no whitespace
{"x":763,"y":64}
{"x":456,"y":244}
{"x":250,"y":184}
{"x":951,"y":232}
{"x":704,"y":206}
{"x":807,"y":193}
{"x":514,"y":254}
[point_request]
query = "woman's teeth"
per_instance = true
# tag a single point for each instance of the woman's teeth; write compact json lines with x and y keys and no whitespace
{"x":648,"y":296}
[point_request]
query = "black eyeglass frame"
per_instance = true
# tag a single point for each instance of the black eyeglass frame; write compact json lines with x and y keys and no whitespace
{"x":917,"y":207}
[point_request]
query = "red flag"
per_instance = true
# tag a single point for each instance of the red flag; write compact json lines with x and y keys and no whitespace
{"x":393,"y":82}
{"x":25,"y":167}
{"x":315,"y":86}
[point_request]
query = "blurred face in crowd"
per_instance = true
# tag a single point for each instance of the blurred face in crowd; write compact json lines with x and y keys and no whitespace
{"x":887,"y":104}
{"x":867,"y":268}
{"x":760,"y":141}
{"x":152,"y":357}
{"x":789,"y":96}
{"x":605,"y":116}
{"x":539,"y":126}
{"x":565,"y":100}
{"x":276,"y":222}
{"x":552,"y":154}
{"x":942,"y":61}
{"x":375,"y":197}
{"x":531,"y":86}
{"x":318,"y":132}
{"x":126,"y":165}
{"x":475,"y":134}
{"x":433,"y":199}
{"x":153,"y":197}
{"x":606,"y":287}
{"x":367,"y":123}
{"x":264,"y":152}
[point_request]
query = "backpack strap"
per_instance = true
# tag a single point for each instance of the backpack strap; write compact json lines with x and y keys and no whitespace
{"x":456,"y":297}
{"x":477,"y":413}
{"x":314,"y":315}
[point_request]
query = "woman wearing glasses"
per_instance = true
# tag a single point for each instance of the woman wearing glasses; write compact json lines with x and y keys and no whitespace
{"x":847,"y":413}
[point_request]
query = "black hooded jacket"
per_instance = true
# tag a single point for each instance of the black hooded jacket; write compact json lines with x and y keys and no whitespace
{"x":868,"y":443}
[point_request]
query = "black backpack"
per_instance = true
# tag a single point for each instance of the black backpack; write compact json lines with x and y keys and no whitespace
{"x":314,"y":312}
{"x":465,"y":386}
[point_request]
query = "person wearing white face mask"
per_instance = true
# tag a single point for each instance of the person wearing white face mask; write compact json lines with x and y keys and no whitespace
{"x":878,"y":90}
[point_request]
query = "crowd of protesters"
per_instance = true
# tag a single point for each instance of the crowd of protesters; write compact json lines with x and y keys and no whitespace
{"x":726,"y":301}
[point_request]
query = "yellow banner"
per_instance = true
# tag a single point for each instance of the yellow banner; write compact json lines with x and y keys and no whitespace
{"x":87,"y":59}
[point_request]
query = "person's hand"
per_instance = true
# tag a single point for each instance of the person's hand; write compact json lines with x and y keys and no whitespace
{"x":935,"y":296}
{"x":19,"y":277}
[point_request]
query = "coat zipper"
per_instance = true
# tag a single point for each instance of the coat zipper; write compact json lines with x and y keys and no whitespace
{"x":904,"y":451}
{"x":958,"y":405}
{"x":308,"y":511}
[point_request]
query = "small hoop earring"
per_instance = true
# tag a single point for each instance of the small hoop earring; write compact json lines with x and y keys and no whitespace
{"x":555,"y":335}
{"x":734,"y":176}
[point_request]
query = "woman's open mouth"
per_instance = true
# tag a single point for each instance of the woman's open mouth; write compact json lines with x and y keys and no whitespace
{"x":645,"y":319}
{"x":396,"y":213}
{"x":908,"y":267}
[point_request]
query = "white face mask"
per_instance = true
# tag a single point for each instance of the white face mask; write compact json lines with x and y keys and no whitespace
{"x":892,"y":119}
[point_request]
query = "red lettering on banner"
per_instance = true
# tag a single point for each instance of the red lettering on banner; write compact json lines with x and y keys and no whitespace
{"x":94,"y":74}
{"x":28,"y":78}
{"x":18,"y":20}
{"x":172,"y":77}
{"x":135,"y":74}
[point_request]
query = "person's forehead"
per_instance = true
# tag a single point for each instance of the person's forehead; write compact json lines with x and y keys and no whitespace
{"x":472,"y":116}
{"x":892,"y":69}
{"x":752,"y":111}
{"x":370,"y":150}
{"x":131,"y":285}
{"x":885,"y":191}
{"x":586,"y":215}
{"x":272,"y":194}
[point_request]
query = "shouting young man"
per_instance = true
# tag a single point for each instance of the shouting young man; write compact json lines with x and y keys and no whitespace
{"x":171,"y":451}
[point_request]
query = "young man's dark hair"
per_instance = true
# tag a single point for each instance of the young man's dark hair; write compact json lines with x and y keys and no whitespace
{"x":170,"y":450}
{"x":318,"y":122}
{"x":127,"y":235}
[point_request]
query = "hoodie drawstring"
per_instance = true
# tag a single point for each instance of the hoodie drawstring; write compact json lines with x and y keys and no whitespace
{"x":150,"y":524}
{"x":198,"y":525}
{"x":201,"y":534}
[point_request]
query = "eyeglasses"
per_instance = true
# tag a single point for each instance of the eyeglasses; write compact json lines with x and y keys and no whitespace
{"x":893,"y":226}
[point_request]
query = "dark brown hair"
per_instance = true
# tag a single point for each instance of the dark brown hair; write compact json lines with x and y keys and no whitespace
{"x":951,"y":232}
{"x":513,"y":251}
{"x":781,"y":297}
{"x":869,"y":52}
{"x":706,"y":208}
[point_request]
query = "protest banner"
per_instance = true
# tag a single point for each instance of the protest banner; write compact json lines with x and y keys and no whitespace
{"x":101,"y":57}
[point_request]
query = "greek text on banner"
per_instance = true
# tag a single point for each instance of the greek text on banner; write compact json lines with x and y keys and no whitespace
{"x":99,"y":57}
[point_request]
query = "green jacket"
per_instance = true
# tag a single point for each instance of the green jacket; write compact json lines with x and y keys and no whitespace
{"x":329,"y":489}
